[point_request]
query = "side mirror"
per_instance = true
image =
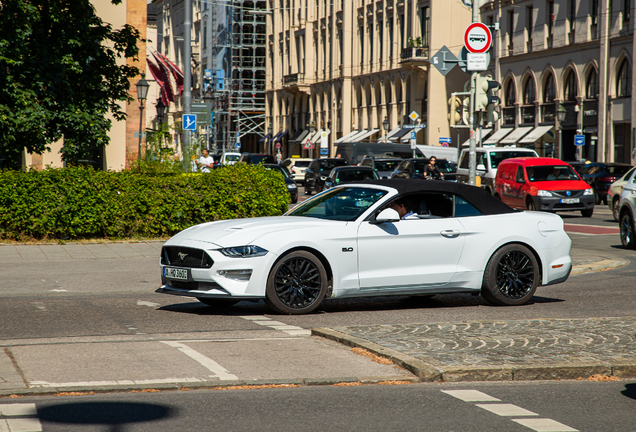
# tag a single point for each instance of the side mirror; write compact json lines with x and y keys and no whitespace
{"x":386,"y":215}
{"x":292,"y":175}
{"x":481,"y":167}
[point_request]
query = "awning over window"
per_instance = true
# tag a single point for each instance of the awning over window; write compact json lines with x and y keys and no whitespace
{"x":536,"y":134}
{"x":354,"y":138}
{"x":363,"y":135}
{"x":497,"y":136}
{"x":316,"y":139}
{"x":315,"y":136}
{"x":299,"y":139}
{"x":386,"y":137}
{"x":349,"y":135}
{"x":296,"y":134}
{"x":262,"y":140}
{"x":484,"y":134}
{"x":515,"y":135}
{"x":396,"y":137}
{"x":280,"y":136}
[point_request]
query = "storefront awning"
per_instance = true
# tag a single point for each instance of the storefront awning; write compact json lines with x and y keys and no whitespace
{"x":399,"y":134}
{"x":296,"y":134}
{"x":386,"y":137}
{"x":280,"y":136}
{"x":536,"y":134}
{"x":515,"y":135}
{"x":262,"y":140}
{"x":299,"y":139}
{"x":314,"y":137}
{"x":497,"y":136}
{"x":349,"y":135}
{"x":484,"y":134}
{"x":363,"y":135}
{"x":354,"y":138}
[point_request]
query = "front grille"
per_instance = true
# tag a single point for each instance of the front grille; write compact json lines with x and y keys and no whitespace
{"x":564,"y":194}
{"x":193,"y":286}
{"x":185,"y":257}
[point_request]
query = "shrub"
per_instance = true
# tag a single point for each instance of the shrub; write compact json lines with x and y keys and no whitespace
{"x":81,"y":203}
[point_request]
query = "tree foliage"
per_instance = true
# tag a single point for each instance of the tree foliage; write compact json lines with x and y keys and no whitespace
{"x":60,"y":77}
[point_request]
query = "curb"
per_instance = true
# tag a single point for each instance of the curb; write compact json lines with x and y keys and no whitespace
{"x":599,"y":266}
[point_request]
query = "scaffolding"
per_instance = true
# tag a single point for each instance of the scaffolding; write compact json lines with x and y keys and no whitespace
{"x":238,"y":75}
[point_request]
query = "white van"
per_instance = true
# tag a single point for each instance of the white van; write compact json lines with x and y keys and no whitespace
{"x":487,"y":160}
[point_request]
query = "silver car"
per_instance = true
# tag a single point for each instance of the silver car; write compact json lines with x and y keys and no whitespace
{"x":627,"y":212}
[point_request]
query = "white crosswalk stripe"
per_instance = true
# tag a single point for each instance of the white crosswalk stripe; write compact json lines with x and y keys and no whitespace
{"x":17,"y":418}
{"x":277,"y":325}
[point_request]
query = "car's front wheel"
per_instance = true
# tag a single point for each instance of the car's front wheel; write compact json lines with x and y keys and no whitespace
{"x":587,"y":212}
{"x":297,"y":283}
{"x":627,"y":231}
{"x":615,"y":206}
{"x":530,"y":205}
{"x":511,"y":277}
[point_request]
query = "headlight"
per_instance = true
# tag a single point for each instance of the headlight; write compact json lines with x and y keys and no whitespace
{"x":589,"y":191}
{"x":543,"y":193}
{"x":291,"y":186}
{"x":243,"y":251}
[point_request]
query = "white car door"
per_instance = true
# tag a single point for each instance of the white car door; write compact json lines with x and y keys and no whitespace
{"x":409,"y":254}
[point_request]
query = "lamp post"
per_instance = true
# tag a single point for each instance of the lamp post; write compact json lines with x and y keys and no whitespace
{"x":161,"y":110}
{"x":312,"y":129}
{"x":560,"y":114}
{"x":270,"y":132}
{"x":385,"y":126}
{"x":142,"y":92}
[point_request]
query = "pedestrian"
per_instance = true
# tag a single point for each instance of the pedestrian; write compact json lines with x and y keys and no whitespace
{"x":206,"y":162}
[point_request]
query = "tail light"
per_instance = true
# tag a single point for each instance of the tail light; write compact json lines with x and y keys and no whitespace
{"x":608,"y":179}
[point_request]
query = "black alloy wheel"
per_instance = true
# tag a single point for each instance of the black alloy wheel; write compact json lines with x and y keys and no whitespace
{"x":297,"y":284}
{"x":511,"y":277}
{"x":627,"y":231}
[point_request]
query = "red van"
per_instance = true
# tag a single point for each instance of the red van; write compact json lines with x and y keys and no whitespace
{"x":543,"y":184}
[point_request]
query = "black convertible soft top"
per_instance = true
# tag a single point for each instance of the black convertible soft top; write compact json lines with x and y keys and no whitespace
{"x":478,"y":197}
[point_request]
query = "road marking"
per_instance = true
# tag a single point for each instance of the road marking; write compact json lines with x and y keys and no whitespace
{"x":58,"y":290}
{"x":506,"y":410}
{"x":39,"y":305}
{"x":544,"y":425}
{"x":471,"y":395}
{"x":277,"y":325}
{"x":11,"y":424}
{"x":204,"y":361}
{"x":147,"y":303}
{"x":590,"y":229}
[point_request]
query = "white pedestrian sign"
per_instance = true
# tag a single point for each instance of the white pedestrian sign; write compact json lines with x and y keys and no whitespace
{"x":190,"y":122}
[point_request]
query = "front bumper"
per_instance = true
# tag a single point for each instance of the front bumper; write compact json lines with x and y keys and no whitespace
{"x":553,"y":204}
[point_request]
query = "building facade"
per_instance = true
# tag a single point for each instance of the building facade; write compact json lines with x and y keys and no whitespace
{"x":575,"y":54}
{"x":347,"y":66}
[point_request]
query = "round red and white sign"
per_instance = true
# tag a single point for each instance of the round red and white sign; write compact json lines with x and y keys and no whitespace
{"x":477,"y":38}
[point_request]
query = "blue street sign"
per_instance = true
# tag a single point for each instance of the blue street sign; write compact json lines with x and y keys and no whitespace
{"x":324,"y":151}
{"x":443,"y":140}
{"x":413,"y":135}
{"x":190,"y":122}
{"x":238,"y":145}
{"x":579,"y":140}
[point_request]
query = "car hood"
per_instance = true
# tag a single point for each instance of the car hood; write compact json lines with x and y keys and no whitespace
{"x":561,"y":185}
{"x":239,"y":232}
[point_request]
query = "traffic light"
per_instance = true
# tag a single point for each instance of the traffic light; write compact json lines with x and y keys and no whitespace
{"x":493,"y":102}
{"x":458,"y":110}
{"x":486,"y":93}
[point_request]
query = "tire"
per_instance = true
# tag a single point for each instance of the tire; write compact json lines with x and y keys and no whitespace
{"x":615,"y":208}
{"x":217,"y":302}
{"x":511,"y":277}
{"x":530,"y":205}
{"x":597,"y":197}
{"x":497,"y":196}
{"x":587,"y":212}
{"x":297,"y":284}
{"x":627,"y":231}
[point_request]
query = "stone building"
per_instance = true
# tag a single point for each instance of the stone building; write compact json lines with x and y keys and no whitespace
{"x":575,"y":54}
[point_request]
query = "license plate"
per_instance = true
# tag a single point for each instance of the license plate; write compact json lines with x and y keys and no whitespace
{"x":569,"y":200}
{"x":175,"y":273}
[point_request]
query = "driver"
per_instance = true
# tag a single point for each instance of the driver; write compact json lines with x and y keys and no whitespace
{"x":403,"y":206}
{"x":432,"y":171}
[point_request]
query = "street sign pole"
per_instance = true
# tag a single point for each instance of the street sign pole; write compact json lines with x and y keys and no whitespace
{"x":472,"y":149}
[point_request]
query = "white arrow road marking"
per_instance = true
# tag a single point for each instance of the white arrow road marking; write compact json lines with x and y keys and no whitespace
{"x":206,"y":362}
{"x":146,"y":303}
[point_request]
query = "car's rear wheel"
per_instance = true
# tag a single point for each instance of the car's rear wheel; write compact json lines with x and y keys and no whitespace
{"x":627,"y":231}
{"x":587,"y":212}
{"x":597,"y":197}
{"x":297,"y":283}
{"x":217,"y":302}
{"x":615,"y":207}
{"x":511,"y":277}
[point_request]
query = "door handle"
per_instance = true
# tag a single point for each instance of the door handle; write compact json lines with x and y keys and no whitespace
{"x":450,"y":233}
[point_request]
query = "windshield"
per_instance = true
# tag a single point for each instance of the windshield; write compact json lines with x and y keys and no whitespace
{"x":386,"y":165}
{"x":497,"y":157}
{"x":551,"y":172}
{"x":444,"y":166}
{"x":231,"y":157}
{"x":329,"y":165}
{"x":351,"y":175}
{"x":302,"y":164}
{"x":342,"y":204}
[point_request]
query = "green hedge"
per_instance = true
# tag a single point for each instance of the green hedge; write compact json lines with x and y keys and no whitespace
{"x":80,"y":203}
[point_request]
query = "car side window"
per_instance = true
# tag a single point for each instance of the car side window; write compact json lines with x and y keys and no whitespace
{"x":465,"y":209}
{"x":464,"y":162}
{"x":401,"y":166}
{"x":521,"y":178}
{"x":366,"y":162}
{"x":314,"y":166}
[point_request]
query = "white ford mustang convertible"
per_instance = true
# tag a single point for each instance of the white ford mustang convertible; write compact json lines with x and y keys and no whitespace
{"x":350,"y":241}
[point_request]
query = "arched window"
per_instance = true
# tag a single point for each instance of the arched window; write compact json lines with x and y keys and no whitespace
{"x":624,"y":80}
{"x":511,"y":98}
{"x":548,"y":90}
{"x":591,"y":86}
{"x":529,"y":94}
{"x":571,"y":91}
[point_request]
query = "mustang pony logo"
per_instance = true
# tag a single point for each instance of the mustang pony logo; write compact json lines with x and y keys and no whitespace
{"x":182,"y":255}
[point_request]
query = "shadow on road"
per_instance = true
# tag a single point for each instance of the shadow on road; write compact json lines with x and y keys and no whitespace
{"x":630,"y":391}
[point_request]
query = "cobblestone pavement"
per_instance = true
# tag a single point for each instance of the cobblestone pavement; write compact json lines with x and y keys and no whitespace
{"x":496,"y":350}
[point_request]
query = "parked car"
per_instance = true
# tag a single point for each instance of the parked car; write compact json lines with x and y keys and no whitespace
{"x":348,"y":242}
{"x":413,"y":168}
{"x":547,"y":184}
{"x":601,"y":175}
{"x":256,"y":158}
{"x":627,"y":213}
{"x":317,"y":172}
{"x":614,"y":193}
{"x":228,"y":158}
{"x":384,"y":166}
{"x":289,"y":182}
{"x":348,"y":174}
{"x":297,"y":167}
{"x":487,"y":160}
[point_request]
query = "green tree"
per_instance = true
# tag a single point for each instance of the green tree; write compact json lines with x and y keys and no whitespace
{"x":60,"y":77}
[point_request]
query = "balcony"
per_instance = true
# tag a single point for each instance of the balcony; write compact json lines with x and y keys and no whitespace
{"x":295,"y":82}
{"x":414,"y":55}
